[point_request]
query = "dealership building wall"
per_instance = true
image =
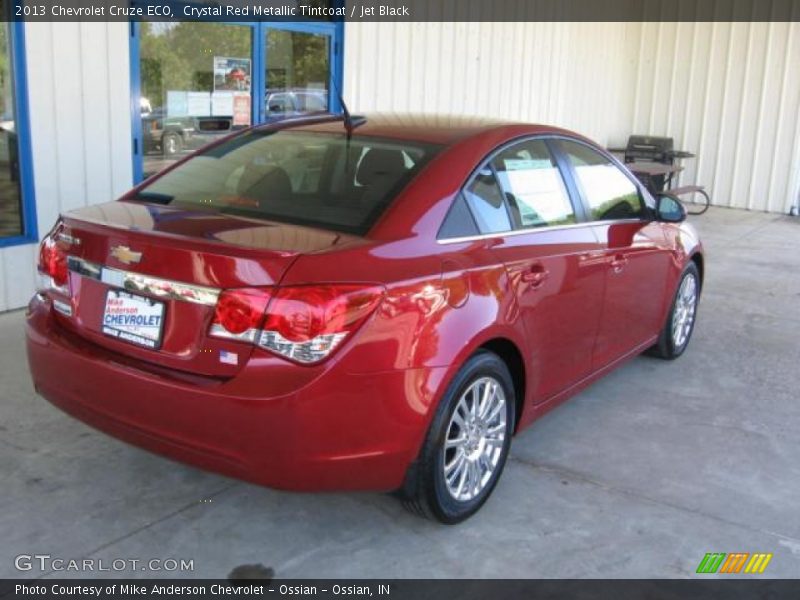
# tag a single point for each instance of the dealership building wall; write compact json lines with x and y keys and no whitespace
{"x":728,"y":91}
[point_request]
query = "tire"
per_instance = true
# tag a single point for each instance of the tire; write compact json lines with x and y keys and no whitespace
{"x":670,"y":344}
{"x":481,"y":451}
{"x":171,"y":144}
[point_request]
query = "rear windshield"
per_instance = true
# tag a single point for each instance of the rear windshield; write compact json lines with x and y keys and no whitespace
{"x":307,"y":178}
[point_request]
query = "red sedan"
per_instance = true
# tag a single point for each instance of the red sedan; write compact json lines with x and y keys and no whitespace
{"x":381,"y":308}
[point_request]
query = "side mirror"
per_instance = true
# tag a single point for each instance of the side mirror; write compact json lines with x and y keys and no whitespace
{"x":669,"y":209}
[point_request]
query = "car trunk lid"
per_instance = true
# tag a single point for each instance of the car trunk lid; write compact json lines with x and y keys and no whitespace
{"x":144,"y":279}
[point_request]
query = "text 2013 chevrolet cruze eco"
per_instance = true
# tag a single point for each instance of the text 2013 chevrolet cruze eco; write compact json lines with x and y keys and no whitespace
{"x":380,"y":306}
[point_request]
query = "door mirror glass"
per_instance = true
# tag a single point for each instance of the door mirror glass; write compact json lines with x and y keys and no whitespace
{"x":669,"y":209}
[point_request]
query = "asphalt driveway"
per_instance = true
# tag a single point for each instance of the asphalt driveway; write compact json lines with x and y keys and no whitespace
{"x":638,"y":476}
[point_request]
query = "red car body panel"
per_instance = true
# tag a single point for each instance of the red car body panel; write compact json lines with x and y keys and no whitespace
{"x":358,"y":419}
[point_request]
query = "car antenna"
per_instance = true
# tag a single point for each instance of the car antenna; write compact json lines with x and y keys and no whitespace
{"x":348,"y":119}
{"x":348,"y":125}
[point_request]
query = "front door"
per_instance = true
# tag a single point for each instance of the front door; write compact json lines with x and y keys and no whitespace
{"x":635,"y":253}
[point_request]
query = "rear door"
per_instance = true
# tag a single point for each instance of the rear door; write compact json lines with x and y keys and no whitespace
{"x":634,"y":249}
{"x":549,"y":255}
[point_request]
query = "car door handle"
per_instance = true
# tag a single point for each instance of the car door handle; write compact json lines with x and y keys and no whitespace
{"x":618,"y":262}
{"x":535,"y":276}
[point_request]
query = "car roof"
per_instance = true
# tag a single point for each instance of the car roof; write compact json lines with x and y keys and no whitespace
{"x":429,"y":128}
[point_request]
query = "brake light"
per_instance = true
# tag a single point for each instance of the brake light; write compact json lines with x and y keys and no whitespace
{"x":53,"y":262}
{"x":239,"y":313}
{"x":307,"y":323}
{"x":303,"y":323}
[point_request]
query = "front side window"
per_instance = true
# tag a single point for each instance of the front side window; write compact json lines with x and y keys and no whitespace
{"x":309,"y":178}
{"x":533,"y":185}
{"x":11,"y":224}
{"x":609,"y":193}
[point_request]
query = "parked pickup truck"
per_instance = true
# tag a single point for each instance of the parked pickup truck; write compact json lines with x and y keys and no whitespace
{"x":172,"y":135}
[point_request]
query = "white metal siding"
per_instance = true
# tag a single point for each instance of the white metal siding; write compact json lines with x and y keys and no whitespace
{"x":79,"y":98}
{"x":577,"y":75}
{"x":731,"y":93}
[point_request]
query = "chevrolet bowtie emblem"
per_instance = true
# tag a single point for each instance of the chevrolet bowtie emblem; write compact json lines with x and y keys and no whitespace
{"x":126,"y":255}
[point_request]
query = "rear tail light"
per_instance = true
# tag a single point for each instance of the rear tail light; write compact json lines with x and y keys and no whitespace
{"x":307,"y":323}
{"x":53,"y":264}
{"x":240,"y":313}
{"x":302,"y":323}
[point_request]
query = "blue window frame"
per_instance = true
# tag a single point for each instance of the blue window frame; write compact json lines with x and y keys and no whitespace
{"x":259,"y":31}
{"x":18,"y":72}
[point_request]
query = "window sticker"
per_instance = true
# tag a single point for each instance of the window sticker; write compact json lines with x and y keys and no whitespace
{"x":538,"y":190}
{"x":519,"y":164}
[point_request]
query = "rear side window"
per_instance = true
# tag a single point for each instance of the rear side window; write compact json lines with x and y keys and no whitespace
{"x":607,"y":190}
{"x":459,"y":221}
{"x":533,"y":185}
{"x":520,"y":188}
{"x":308,"y":178}
{"x":485,"y":200}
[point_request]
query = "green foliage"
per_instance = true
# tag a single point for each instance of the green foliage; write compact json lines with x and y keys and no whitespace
{"x":5,"y":71}
{"x":296,"y":60}
{"x":181,"y":56}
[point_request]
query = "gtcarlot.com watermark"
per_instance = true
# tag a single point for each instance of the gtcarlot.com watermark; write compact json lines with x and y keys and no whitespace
{"x":48,"y":563}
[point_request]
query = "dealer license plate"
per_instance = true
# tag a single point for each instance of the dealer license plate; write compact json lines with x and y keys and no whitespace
{"x":133,"y":318}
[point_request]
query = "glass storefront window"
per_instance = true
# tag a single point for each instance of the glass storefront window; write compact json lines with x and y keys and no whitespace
{"x":297,"y":73}
{"x":198,"y":81}
{"x":11,"y":224}
{"x":195,"y":87}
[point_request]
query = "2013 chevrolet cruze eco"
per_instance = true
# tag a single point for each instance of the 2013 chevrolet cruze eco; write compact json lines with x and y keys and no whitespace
{"x":312,"y":308}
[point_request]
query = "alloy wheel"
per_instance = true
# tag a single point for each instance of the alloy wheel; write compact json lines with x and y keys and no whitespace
{"x":685,"y":308}
{"x":474,"y":440}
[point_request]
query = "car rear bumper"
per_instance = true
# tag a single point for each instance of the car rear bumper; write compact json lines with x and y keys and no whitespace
{"x":338,"y":431}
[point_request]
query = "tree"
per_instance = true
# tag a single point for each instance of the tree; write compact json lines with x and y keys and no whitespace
{"x":5,"y":72}
{"x":180,"y":56}
{"x":295,"y":60}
